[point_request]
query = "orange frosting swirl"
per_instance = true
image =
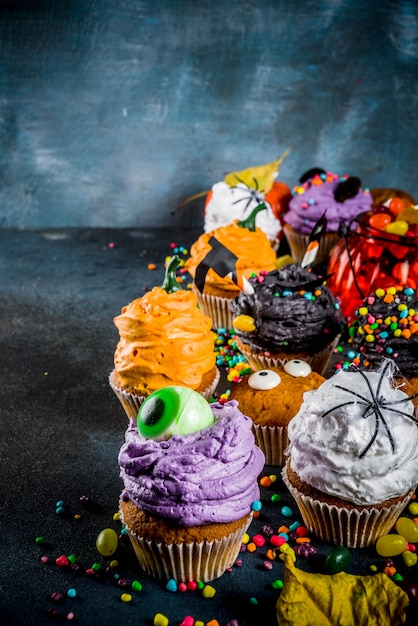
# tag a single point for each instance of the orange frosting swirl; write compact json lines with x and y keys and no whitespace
{"x":164,"y":340}
{"x":252,"y":248}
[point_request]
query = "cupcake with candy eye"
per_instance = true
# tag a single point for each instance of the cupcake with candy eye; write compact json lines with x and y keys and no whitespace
{"x":164,"y":340}
{"x":190,"y":473}
{"x":291,"y":314}
{"x":339,"y":198}
{"x":271,"y":397}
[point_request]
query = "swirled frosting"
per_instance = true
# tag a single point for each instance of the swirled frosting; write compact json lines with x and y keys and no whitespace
{"x":292,"y":311}
{"x":226,"y":204}
{"x":206,"y":477}
{"x":252,"y":248}
{"x":332,"y":445}
{"x":165,"y":339}
{"x":315,"y":197}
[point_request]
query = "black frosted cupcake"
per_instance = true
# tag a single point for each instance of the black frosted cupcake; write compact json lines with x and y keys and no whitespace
{"x":290,"y":315}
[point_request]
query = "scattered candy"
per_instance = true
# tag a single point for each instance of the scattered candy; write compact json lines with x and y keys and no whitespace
{"x":409,"y":558}
{"x":107,"y":542}
{"x":126,"y":597}
{"x":208,"y":591}
{"x":160,"y":620}
{"x":408,"y":529}
{"x":171,"y":585}
{"x":413,"y":508}
{"x":337,"y":560}
{"x":390,"y":545}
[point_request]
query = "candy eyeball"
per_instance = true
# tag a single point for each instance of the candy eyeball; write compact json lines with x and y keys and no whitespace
{"x":264,"y":379}
{"x":172,"y":411}
{"x":297,"y":368}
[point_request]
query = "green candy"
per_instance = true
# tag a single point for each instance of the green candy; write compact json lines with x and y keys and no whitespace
{"x":107,"y":542}
{"x":337,"y":560}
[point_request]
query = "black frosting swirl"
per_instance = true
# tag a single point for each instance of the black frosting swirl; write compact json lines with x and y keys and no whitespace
{"x":286,"y":319}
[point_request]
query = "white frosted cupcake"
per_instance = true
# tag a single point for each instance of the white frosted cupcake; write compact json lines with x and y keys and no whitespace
{"x":353,"y":457}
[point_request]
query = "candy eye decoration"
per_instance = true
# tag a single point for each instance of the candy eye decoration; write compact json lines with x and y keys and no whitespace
{"x":173,"y":411}
{"x":297,"y":368}
{"x":264,"y":379}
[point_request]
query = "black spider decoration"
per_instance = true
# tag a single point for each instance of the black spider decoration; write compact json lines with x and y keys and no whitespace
{"x":375,"y":405}
{"x":253,"y":194}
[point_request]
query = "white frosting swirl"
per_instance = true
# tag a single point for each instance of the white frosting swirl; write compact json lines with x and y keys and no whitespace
{"x":236,"y":203}
{"x":326,"y":450}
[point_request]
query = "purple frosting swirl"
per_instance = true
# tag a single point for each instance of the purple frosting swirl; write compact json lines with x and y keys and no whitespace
{"x":307,"y":207}
{"x":207,"y":477}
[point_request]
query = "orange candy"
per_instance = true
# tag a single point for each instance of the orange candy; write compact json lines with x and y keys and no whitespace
{"x":380,"y":220}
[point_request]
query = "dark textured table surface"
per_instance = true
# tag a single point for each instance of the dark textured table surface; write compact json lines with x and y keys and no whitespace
{"x":61,"y":428}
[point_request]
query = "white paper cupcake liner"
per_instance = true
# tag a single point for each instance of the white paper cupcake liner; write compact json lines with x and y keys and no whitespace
{"x":318,"y":361}
{"x":298,"y":244}
{"x":273,"y":441}
{"x":337,"y":525}
{"x":131,"y":402}
{"x":184,"y":562}
{"x":217,"y":308}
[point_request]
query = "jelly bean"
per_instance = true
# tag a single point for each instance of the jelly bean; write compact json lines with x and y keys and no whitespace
{"x":245,"y":323}
{"x":160,"y":620}
{"x":408,"y":529}
{"x":409,"y":558}
{"x":208,"y":591}
{"x":390,"y":545}
{"x":397,"y":228}
{"x":413,"y":508}
{"x":107,"y":542}
{"x":337,"y":560}
{"x":380,"y":220}
{"x":410,"y":588}
{"x":396,"y":205}
{"x":287,"y":511}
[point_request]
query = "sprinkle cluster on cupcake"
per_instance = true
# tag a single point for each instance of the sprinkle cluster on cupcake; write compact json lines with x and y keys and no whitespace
{"x":386,"y":325}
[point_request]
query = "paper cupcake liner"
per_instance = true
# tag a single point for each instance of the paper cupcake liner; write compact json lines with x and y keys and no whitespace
{"x":298,"y":244}
{"x":273,"y":441}
{"x":341,"y":526}
{"x":184,"y":562}
{"x":131,"y":402}
{"x":217,"y":308}
{"x":318,"y":361}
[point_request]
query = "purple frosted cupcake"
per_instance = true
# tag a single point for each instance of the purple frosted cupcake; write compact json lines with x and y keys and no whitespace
{"x":339,"y":198}
{"x":187,"y":500}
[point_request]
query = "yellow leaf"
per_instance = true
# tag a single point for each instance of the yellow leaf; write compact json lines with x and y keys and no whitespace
{"x":260,"y":177}
{"x":339,"y":599}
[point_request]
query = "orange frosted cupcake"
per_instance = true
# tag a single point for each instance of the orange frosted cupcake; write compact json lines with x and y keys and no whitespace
{"x":253,"y":252}
{"x":165,"y":340}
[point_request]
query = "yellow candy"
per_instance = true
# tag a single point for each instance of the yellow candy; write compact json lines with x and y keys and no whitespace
{"x":126,"y":597}
{"x":208,"y":591}
{"x":363,"y":310}
{"x":246,"y":323}
{"x":390,"y":545}
{"x":370,"y":338}
{"x":407,"y":528}
{"x":413,"y":508}
{"x":107,"y":542}
{"x":160,"y":620}
{"x":409,"y":558}
{"x":380,"y":293}
{"x":397,"y":228}
{"x":281,"y":261}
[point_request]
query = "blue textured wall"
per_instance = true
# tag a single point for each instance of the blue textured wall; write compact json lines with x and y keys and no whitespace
{"x":111,"y":113}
